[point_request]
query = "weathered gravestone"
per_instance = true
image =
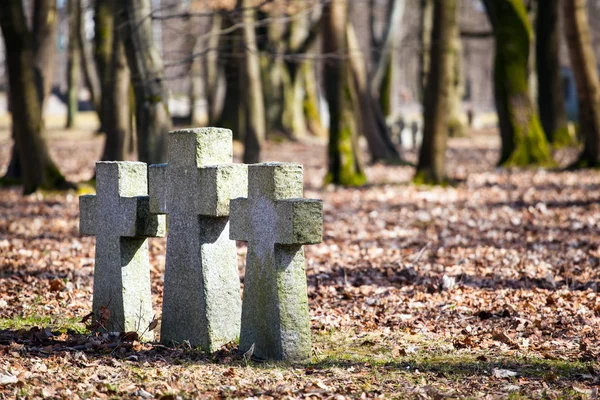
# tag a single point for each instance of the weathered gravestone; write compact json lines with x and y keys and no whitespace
{"x":201,"y":303}
{"x":119,"y":216}
{"x":276,"y":221}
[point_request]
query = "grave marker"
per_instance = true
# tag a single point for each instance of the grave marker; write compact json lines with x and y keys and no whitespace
{"x":201,"y":303}
{"x":119,"y":216}
{"x":276,"y":221}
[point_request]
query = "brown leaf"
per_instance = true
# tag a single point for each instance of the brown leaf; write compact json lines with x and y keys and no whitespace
{"x":130,"y":336}
{"x":153,"y":324}
{"x":56,"y":285}
{"x":504,"y":338}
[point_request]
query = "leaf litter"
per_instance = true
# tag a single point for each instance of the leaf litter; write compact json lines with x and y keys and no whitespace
{"x":481,"y":289}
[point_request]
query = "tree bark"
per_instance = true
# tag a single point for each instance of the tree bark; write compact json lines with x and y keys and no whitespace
{"x":39,"y":171}
{"x":425,"y":37}
{"x":147,"y":76}
{"x":344,"y":163}
{"x":117,"y":124}
{"x":550,"y":89}
{"x":90,"y":74}
{"x":522,"y":137}
{"x":382,"y":76}
{"x":368,"y":113}
{"x":103,"y":46}
{"x":73,"y":62}
{"x":456,"y":126}
{"x":432,"y":158}
{"x":45,"y":28}
{"x":254,"y":134}
{"x":583,"y":62}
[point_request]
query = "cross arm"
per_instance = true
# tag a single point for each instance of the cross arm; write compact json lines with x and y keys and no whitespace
{"x":157,"y":188}
{"x":137,"y":219}
{"x":239,"y":219}
{"x":299,"y":221}
{"x":87,"y":215}
{"x":220,"y":184}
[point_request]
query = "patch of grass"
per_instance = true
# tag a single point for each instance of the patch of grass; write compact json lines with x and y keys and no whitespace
{"x":407,"y":353}
{"x":59,"y":324}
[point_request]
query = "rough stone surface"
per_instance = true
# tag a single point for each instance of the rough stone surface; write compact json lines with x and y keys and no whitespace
{"x":276,"y":221}
{"x":119,"y":216}
{"x":201,"y":303}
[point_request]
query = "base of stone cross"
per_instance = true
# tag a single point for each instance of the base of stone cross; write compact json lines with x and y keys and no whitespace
{"x":201,"y":304}
{"x":275,"y":317}
{"x":127,"y":293}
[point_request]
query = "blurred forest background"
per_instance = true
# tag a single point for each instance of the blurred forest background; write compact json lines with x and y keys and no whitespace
{"x":394,"y":75}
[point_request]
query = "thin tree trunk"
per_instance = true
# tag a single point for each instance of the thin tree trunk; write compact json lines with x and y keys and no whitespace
{"x":456,"y":126}
{"x":225,"y":85}
{"x":432,"y":158}
{"x":344,"y":163}
{"x":255,"y":108}
{"x":73,"y":62}
{"x":117,"y":127}
{"x":368,"y":113}
{"x":522,"y":137}
{"x":215,"y":79}
{"x":45,"y":28}
{"x":550,"y":100}
{"x":90,"y":74}
{"x":103,"y":44}
{"x":583,"y":61}
{"x":312,"y":114}
{"x":425,"y":36}
{"x":390,"y":43}
{"x":39,"y":171}
{"x":147,"y":75}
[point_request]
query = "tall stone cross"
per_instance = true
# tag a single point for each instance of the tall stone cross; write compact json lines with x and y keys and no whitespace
{"x":201,"y":303}
{"x":119,"y":216}
{"x":276,"y":221}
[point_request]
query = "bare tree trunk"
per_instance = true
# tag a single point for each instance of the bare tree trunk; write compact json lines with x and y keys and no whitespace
{"x":255,"y":108}
{"x":550,"y":100}
{"x":523,"y":140}
{"x":45,"y":27}
{"x":90,"y":74}
{"x":425,"y":36}
{"x":73,"y":62}
{"x":584,"y":66}
{"x":103,"y":44}
{"x":344,"y":163}
{"x":383,"y":68}
{"x":432,"y":158}
{"x":368,"y":113}
{"x":215,"y":79}
{"x":147,"y":76}
{"x":312,"y":114}
{"x":456,"y":126}
{"x":39,"y":171}
{"x":117,"y":125}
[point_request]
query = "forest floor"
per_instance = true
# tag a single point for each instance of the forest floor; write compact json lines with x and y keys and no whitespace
{"x":486,"y":289}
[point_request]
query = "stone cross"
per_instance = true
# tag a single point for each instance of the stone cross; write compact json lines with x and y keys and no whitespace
{"x":276,"y":221}
{"x":201,"y":303}
{"x":119,"y":216}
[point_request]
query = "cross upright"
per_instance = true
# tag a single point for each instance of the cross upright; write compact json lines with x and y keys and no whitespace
{"x":201,"y":303}
{"x":119,"y":216}
{"x":276,"y":221}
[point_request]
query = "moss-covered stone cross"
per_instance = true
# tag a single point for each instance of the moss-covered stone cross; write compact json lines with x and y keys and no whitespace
{"x":119,"y":216}
{"x":276,"y":221}
{"x":201,"y":303}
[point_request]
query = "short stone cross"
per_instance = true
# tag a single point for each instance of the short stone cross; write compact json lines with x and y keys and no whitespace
{"x":119,"y":216}
{"x":276,"y":221}
{"x":201,"y":303}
